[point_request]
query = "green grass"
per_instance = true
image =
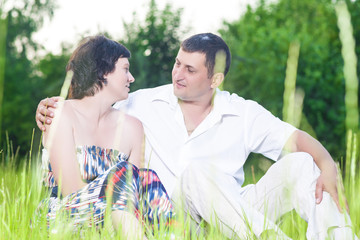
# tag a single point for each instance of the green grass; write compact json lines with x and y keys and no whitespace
{"x":21,"y":191}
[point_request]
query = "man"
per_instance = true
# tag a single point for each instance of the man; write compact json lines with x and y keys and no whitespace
{"x":198,"y":139}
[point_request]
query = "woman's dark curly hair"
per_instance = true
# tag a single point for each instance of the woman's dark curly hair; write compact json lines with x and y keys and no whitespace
{"x":94,"y":58}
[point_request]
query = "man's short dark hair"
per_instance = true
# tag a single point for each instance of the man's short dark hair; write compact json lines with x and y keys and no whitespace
{"x":209,"y":44}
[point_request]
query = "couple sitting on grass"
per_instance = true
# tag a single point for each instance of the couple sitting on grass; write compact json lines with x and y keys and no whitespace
{"x":197,"y":139}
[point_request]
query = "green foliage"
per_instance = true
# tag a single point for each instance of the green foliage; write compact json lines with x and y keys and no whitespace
{"x":53,"y":71}
{"x":22,"y":84}
{"x":259,"y":42}
{"x":154,"y":45}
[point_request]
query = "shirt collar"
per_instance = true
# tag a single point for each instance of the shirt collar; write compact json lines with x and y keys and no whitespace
{"x":222,"y":100}
{"x":223,"y":104}
{"x":165,"y":94}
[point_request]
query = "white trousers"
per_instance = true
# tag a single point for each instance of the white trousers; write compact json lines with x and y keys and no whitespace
{"x":217,"y":198}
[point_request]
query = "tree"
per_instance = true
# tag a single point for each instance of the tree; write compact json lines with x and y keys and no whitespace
{"x":153,"y":45}
{"x":53,"y":71}
{"x":259,"y":43}
{"x":22,"y":83}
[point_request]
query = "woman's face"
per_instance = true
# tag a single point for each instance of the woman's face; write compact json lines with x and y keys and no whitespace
{"x":119,"y":80}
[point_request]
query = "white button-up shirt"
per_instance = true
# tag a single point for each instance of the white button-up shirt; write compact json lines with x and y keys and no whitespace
{"x":234,"y":128}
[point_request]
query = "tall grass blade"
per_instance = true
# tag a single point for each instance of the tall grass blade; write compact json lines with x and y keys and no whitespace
{"x":350,"y":64}
{"x":293,"y":98}
{"x":3,"y":33}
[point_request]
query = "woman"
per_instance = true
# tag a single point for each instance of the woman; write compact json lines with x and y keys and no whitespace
{"x":93,"y":150}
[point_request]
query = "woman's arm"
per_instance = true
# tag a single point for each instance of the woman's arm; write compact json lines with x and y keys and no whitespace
{"x":137,"y":140}
{"x":60,"y":143}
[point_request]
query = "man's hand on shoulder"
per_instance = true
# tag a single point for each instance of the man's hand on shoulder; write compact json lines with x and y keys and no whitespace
{"x":45,"y":111}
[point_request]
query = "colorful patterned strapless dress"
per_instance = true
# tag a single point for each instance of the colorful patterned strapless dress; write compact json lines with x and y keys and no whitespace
{"x":107,"y":171}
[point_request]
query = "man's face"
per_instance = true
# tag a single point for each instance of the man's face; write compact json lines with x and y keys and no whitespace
{"x":190,"y":77}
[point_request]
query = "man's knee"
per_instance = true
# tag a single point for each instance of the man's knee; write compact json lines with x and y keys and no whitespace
{"x":299,"y":168}
{"x":300,"y":162}
{"x":298,"y":158}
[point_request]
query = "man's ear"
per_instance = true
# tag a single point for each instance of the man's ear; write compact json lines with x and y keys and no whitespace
{"x":217,"y":79}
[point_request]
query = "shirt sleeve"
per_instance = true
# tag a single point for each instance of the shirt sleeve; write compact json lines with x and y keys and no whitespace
{"x":265,"y":133}
{"x":127,"y":105}
{"x":120,"y":105}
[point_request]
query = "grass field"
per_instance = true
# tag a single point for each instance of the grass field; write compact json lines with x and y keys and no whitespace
{"x":21,"y":191}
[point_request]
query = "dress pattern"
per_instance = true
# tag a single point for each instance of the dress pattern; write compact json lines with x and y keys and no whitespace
{"x":108,"y":174}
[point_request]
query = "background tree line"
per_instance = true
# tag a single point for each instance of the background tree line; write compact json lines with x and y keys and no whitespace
{"x":259,"y":42}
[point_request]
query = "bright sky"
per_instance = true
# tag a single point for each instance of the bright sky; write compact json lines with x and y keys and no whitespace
{"x":76,"y":17}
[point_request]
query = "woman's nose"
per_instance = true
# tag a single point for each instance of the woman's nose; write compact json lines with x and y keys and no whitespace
{"x":131,"y":78}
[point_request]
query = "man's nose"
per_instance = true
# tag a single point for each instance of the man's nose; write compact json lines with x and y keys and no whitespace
{"x":178,"y":74}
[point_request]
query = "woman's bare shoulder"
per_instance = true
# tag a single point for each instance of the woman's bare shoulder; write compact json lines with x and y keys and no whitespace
{"x":135,"y":122}
{"x":131,"y":126}
{"x":63,"y":118}
{"x":123,"y":118}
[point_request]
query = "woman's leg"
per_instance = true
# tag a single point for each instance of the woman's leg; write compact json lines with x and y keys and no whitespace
{"x":129,"y":224}
{"x":138,"y":192}
{"x":155,"y":201}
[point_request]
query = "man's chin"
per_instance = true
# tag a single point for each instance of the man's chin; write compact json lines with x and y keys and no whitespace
{"x":177,"y":93}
